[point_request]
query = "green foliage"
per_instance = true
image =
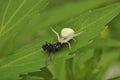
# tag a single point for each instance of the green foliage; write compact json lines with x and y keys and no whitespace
{"x":25,"y":27}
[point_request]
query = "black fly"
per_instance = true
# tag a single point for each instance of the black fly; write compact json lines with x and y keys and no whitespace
{"x":51,"y":48}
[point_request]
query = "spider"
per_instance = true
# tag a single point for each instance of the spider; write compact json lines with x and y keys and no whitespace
{"x":66,"y":35}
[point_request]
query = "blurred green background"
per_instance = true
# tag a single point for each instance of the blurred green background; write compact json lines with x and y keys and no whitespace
{"x":25,"y":27}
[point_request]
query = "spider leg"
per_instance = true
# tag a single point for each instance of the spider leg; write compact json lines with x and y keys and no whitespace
{"x":73,"y":39}
{"x":49,"y":59}
{"x":56,"y":34}
{"x":69,"y":45}
{"x":77,"y":34}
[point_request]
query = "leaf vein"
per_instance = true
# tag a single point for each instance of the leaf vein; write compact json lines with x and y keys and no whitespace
{"x":16,"y":11}
{"x":4,"y":15}
{"x":20,"y":19}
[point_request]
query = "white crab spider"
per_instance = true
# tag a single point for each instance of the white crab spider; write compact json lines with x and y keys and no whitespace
{"x":66,"y":35}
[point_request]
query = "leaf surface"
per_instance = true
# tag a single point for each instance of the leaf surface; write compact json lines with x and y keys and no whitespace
{"x":32,"y":57}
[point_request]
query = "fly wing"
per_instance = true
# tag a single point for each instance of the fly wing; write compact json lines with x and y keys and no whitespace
{"x":49,"y":59}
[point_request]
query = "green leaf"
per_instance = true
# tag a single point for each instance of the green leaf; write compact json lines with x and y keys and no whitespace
{"x":93,"y":63}
{"x":44,"y":74}
{"x":83,"y":64}
{"x":114,"y":28}
{"x":16,"y":16}
{"x":109,"y":56}
{"x":31,"y":57}
{"x":24,"y":30}
{"x":50,"y":18}
{"x":105,"y":42}
{"x":116,"y":78}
